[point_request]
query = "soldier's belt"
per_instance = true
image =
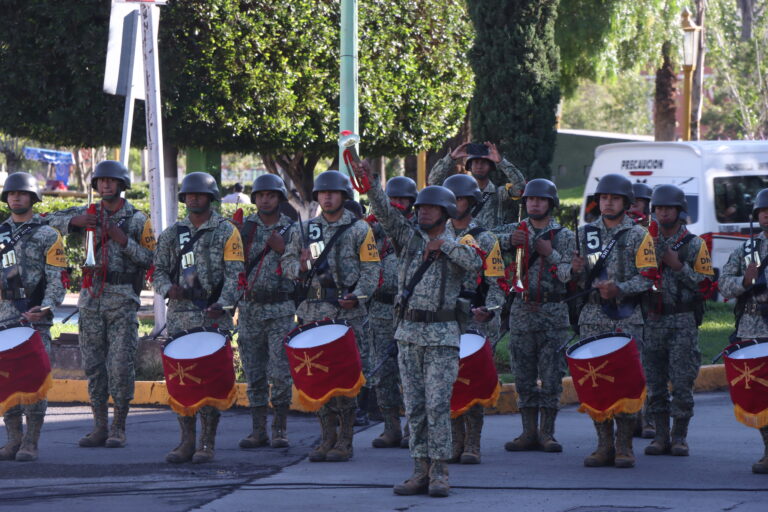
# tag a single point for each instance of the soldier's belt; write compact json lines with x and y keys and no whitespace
{"x":327,"y":293}
{"x":383,"y":297}
{"x":543,"y":299}
{"x":13,"y":294}
{"x":121,"y":277}
{"x":261,"y":297}
{"x":755,"y":308}
{"x":672,"y":309}
{"x":420,"y":315}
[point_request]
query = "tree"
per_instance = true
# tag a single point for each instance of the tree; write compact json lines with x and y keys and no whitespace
{"x":665,"y":96}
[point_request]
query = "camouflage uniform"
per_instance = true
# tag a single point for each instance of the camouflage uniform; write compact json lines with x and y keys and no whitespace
{"x":497,"y":198}
{"x":428,"y":351}
{"x":218,"y":258}
{"x":633,"y":253}
{"x":39,"y":257}
{"x":354,"y":270}
{"x":753,"y":324}
{"x":266,"y":315}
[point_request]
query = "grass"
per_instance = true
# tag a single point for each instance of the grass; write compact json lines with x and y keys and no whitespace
{"x":571,"y":196}
{"x":145,"y":327}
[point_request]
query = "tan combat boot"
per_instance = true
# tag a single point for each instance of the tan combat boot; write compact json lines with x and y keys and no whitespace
{"x":13,"y":428}
{"x":661,"y":443}
{"x":547,"y":439}
{"x":328,"y":422}
{"x":473,"y":423}
{"x":206,"y":449}
{"x":280,"y":427}
{"x":679,"y":433}
{"x":438,"y":479}
{"x":647,"y":428}
{"x":258,"y":437}
{"x":28,"y":450}
{"x":392,"y":434}
{"x":761,"y":466}
{"x":342,"y":450}
{"x":605,"y":453}
{"x":183,"y":452}
{"x":625,"y":426}
{"x":405,"y":441}
{"x":98,"y":436}
{"x":116,"y":437}
{"x":529,"y":439}
{"x":418,"y":482}
{"x":458,"y":434}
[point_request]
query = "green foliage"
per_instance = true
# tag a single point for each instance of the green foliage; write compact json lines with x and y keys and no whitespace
{"x":515,"y":61}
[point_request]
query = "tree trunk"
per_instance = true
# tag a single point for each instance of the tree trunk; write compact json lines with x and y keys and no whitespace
{"x":698,"y":73}
{"x":298,"y":172}
{"x":666,"y":91}
{"x":747,"y":8}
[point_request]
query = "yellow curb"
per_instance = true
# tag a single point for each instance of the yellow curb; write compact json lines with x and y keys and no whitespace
{"x":711,"y":378}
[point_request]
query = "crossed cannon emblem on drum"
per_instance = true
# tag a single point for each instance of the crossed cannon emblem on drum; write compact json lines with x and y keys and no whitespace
{"x":592,"y":374}
{"x":182,"y":373}
{"x":308,"y":363}
{"x":747,"y":375}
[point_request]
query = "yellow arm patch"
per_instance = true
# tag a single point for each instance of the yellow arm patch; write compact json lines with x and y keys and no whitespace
{"x":703,"y":263}
{"x":233,"y":249}
{"x":368,"y":250}
{"x":645,"y":257}
{"x":148,"y":236}
{"x":56,"y":255}
{"x":470,"y":241}
{"x":494,"y":263}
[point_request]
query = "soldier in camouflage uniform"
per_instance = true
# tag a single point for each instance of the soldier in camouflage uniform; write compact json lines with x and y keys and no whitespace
{"x":427,"y":332}
{"x":466,"y":429}
{"x":538,"y":319}
{"x":640,"y":210}
{"x":34,"y":268}
{"x":496,"y":200}
{"x":402,"y":193}
{"x":671,"y":345}
{"x":198,"y":266}
{"x":744,"y":278}
{"x":628,"y":271}
{"x":352,"y":271}
{"x":109,"y":336}
{"x":266,"y":314}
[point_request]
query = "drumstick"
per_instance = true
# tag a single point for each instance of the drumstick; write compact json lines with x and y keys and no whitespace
{"x":567,"y":342}
{"x":70,"y":315}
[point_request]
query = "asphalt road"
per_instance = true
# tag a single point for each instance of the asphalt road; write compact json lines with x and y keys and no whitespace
{"x":715,"y":477}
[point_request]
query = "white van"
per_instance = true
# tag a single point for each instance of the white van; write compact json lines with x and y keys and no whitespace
{"x":720,"y":180}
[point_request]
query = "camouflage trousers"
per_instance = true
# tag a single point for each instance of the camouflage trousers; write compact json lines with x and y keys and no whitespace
{"x":339,"y":404}
{"x":428,"y":374}
{"x":387,"y":379}
{"x":535,"y":355}
{"x":264,"y":360}
{"x":39,"y":407}
{"x":671,"y":355}
{"x":108,"y":342}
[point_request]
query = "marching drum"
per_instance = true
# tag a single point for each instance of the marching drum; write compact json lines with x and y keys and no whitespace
{"x":477,"y":382}
{"x":324,"y":362}
{"x":746,"y":368}
{"x":607,"y":375}
{"x":199,"y":370}
{"x":25,"y":370}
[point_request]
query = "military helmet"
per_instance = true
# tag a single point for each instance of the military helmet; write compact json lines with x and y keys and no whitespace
{"x":670,"y":195}
{"x":401,"y":186}
{"x":199,"y":183}
{"x":761,"y":201}
{"x":21,"y":182}
{"x":333,"y":180}
{"x":616,"y":184}
{"x":269,"y":182}
{"x":481,"y":152}
{"x":463,"y":185}
{"x":436,"y":195}
{"x":111,"y":169}
{"x":541,"y":187}
{"x":642,"y":191}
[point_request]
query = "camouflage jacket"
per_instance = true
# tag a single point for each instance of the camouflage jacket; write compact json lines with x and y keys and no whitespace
{"x":632,"y":254}
{"x":731,"y":285}
{"x":36,"y":257}
{"x":493,"y":265}
{"x":497,"y":199}
{"x":388,"y":279}
{"x":266,"y":277}
{"x":353,"y":263}
{"x":439,"y":289}
{"x":218,"y":261}
{"x":135,"y":258}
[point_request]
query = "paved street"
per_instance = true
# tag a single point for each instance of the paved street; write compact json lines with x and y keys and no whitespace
{"x":716,"y":477}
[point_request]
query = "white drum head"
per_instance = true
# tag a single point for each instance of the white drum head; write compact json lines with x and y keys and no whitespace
{"x":194,"y":345}
{"x":15,"y":336}
{"x":470,"y":343}
{"x":317,"y":336}
{"x":600,"y":347}
{"x":750,"y":352}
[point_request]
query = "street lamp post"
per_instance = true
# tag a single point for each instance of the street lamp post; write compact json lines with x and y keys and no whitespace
{"x":690,"y":49}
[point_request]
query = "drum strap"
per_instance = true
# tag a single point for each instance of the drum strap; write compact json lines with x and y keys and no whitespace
{"x":552,"y":233}
{"x":604,"y":257}
{"x":479,"y":206}
{"x":183,"y":250}
{"x":320,"y":261}
{"x":413,"y":281}
{"x":263,"y":253}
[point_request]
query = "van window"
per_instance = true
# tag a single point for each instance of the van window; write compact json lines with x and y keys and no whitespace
{"x":734,"y":197}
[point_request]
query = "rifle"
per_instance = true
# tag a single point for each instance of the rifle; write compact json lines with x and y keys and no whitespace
{"x":70,"y":315}
{"x":391,"y":351}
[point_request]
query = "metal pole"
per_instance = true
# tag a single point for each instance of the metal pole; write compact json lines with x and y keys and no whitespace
{"x":155,"y":172}
{"x":348,"y":84}
{"x":687,"y":86}
{"x":130,"y":96}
